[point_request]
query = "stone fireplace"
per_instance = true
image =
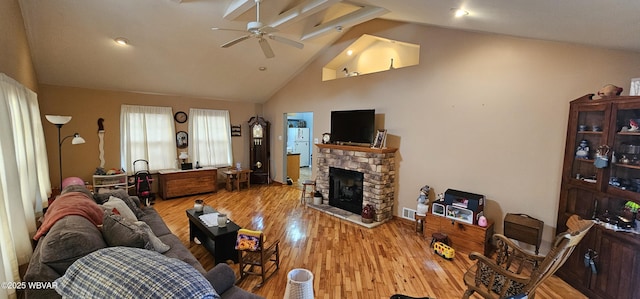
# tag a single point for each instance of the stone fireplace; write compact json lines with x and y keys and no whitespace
{"x":377,"y":168}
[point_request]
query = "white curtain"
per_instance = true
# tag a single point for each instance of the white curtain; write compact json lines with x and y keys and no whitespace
{"x":147,"y":133}
{"x":210,"y":137}
{"x":24,"y":177}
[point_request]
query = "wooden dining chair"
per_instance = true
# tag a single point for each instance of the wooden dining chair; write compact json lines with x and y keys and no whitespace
{"x":255,"y":257}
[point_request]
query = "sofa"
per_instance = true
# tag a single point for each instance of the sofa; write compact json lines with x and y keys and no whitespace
{"x":79,"y":243}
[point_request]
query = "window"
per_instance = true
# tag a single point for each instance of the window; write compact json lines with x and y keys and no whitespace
{"x":147,"y":133}
{"x":24,"y":176}
{"x":210,"y":137}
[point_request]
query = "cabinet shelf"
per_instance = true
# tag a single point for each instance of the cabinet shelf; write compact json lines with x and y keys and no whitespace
{"x":113,"y":181}
{"x":629,"y":133}
{"x":631,"y":166}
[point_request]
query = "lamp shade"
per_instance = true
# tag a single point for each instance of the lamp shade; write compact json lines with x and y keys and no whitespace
{"x":77,"y":139}
{"x":58,"y":119}
{"x":183,"y":155}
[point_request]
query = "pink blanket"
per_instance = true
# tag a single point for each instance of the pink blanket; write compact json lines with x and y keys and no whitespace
{"x":72,"y":203}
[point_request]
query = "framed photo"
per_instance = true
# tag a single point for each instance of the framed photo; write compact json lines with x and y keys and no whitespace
{"x":182,"y":139}
{"x":381,"y":138}
{"x":236,"y":130}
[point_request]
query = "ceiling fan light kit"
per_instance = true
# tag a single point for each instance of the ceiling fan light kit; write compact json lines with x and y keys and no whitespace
{"x":258,"y":30}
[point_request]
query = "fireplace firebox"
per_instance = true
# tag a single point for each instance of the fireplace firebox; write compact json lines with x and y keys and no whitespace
{"x":346,"y":189}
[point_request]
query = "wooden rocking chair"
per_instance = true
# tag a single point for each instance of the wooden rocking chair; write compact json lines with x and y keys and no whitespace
{"x":254,"y":257}
{"x":516,"y":272}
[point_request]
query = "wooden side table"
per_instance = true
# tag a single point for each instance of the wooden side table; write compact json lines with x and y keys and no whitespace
{"x":235,"y":177}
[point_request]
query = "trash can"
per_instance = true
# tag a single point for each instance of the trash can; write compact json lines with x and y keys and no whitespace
{"x":299,"y":284}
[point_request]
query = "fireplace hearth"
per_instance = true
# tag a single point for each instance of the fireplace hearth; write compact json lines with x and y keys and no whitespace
{"x":346,"y":189}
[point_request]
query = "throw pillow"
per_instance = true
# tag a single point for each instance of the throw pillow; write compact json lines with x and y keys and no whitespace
{"x":69,"y":239}
{"x":118,"y":231}
{"x":122,"y":208}
{"x":132,"y":201}
{"x":123,"y":272}
{"x":155,"y":242}
{"x":248,"y":240}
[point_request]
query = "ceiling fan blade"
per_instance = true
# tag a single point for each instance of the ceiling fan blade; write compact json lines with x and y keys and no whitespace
{"x":227,"y":29}
{"x":266,"y":49}
{"x":286,"y":41}
{"x":235,"y":41}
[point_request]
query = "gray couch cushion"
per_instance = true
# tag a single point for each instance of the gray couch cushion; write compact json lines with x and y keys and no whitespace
{"x":153,"y":219}
{"x":118,"y":231}
{"x":69,"y":239}
{"x":179,"y":251}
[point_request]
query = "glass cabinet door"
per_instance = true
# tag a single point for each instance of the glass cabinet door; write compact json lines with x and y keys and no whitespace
{"x":590,"y":135}
{"x":625,"y":151}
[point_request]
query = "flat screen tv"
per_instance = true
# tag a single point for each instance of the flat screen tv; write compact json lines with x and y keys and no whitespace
{"x":356,"y":127}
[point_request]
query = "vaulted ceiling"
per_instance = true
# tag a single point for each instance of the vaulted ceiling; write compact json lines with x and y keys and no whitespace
{"x":173,"y":50}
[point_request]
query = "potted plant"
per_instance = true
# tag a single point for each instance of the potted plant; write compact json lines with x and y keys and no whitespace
{"x":368,"y":213}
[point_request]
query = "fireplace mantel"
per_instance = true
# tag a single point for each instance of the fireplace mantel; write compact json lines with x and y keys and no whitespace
{"x":377,"y":165}
{"x":358,"y":148}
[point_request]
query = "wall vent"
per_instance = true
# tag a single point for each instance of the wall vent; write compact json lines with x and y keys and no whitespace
{"x":409,"y":214}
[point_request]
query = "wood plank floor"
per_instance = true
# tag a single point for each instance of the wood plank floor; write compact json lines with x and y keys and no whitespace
{"x":347,"y":260}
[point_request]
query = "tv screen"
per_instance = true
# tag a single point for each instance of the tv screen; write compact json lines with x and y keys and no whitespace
{"x":353,"y":126}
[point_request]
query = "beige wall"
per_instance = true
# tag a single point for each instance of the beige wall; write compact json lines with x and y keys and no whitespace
{"x":15,"y":59}
{"x":481,"y":113}
{"x":86,"y":106}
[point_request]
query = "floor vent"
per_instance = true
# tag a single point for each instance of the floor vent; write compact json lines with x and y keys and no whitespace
{"x":409,"y":214}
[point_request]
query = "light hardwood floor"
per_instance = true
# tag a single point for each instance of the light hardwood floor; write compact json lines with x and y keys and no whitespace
{"x":347,"y":260}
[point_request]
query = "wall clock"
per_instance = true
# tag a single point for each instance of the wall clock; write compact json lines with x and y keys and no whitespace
{"x":326,"y":138}
{"x":180,"y":117}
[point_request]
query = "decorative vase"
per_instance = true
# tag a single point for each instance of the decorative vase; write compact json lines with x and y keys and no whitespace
{"x":482,"y":221}
{"x":368,"y":213}
{"x":222,"y":220}
{"x":198,"y":205}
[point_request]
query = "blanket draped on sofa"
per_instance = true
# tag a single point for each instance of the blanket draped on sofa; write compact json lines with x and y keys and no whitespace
{"x":72,"y":203}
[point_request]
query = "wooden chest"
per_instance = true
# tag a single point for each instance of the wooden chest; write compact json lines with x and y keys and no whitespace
{"x":463,"y":237}
{"x":177,"y":183}
{"x":524,"y":228}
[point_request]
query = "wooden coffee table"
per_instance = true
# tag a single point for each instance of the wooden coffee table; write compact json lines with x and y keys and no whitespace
{"x":219,"y":241}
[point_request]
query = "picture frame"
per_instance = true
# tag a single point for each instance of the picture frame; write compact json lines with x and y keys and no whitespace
{"x":182,"y":139}
{"x":236,"y":130}
{"x":380,"y":140}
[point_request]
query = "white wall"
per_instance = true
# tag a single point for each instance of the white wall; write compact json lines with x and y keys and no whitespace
{"x":482,"y":113}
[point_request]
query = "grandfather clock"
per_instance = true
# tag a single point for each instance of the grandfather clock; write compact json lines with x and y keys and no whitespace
{"x":259,"y":150}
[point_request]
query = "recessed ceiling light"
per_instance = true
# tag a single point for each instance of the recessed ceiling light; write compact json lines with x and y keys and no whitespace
{"x":262,"y":68}
{"x":459,"y":12}
{"x":349,"y":52}
{"x":121,"y":41}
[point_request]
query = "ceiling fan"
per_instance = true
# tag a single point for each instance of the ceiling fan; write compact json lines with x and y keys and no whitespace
{"x":258,"y":30}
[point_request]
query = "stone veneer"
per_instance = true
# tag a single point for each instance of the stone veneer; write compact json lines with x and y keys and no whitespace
{"x":378,"y":166}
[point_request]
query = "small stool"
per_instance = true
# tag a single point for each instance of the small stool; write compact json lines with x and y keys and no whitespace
{"x":304,"y":190}
{"x":439,"y":237}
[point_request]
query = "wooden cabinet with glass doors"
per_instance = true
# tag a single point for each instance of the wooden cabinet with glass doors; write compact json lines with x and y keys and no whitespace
{"x":601,"y":181}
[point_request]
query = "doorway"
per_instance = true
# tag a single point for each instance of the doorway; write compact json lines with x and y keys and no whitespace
{"x":298,"y":147}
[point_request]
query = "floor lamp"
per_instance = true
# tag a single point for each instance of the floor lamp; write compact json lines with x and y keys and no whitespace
{"x":60,"y":121}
